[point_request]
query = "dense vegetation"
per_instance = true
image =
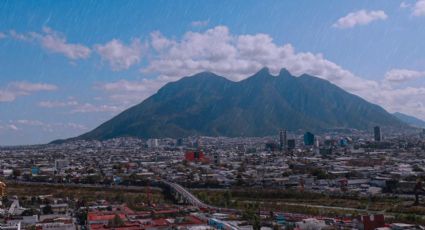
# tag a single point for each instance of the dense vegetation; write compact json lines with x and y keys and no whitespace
{"x":294,"y":201}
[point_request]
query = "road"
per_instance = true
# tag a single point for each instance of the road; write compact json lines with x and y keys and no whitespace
{"x":81,"y":185}
{"x":193,"y":200}
{"x":188,"y":196}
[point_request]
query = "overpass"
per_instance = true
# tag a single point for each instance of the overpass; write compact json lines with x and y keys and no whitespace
{"x":182,"y":195}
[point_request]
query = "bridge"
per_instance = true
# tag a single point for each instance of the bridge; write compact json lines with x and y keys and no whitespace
{"x":182,"y":195}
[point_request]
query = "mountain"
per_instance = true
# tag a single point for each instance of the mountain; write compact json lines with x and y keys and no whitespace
{"x":211,"y":105}
{"x":411,"y":120}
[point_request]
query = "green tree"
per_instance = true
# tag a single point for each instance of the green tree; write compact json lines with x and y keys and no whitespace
{"x":416,"y":168}
{"x":239,"y":179}
{"x":30,"y":212}
{"x":82,"y":216}
{"x":47,"y":209}
{"x":227,"y":198}
{"x":116,"y":222}
{"x":250,"y":214}
{"x":16,"y":173}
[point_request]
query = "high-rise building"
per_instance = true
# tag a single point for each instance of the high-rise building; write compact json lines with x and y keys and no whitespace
{"x":377,"y":133}
{"x":272,"y":146}
{"x":217,"y":159}
{"x":196,"y":156}
{"x":61,"y":164}
{"x":308,"y":139}
{"x":179,"y":142}
{"x":198,"y":143}
{"x":282,"y":140}
{"x":291,"y":144}
{"x":152,"y":143}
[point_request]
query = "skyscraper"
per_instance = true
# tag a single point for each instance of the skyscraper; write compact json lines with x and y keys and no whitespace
{"x":282,"y":140}
{"x":377,"y":133}
{"x":291,"y":144}
{"x":308,"y":139}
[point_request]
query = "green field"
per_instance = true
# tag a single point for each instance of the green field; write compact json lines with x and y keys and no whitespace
{"x":395,"y":209}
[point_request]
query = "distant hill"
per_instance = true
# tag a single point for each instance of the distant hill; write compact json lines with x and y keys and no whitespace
{"x":411,"y":120}
{"x":211,"y":105}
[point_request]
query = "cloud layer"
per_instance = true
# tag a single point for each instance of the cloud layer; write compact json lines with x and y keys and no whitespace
{"x":239,"y":56}
{"x":403,"y":75}
{"x":200,"y":23}
{"x":23,"y":124}
{"x":358,"y":18}
{"x":73,"y":106}
{"x":17,"y":89}
{"x":419,"y":8}
{"x":54,"y":42}
{"x":120,"y":56}
{"x":235,"y":56}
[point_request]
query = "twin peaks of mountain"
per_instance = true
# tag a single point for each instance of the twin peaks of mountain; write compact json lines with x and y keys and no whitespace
{"x":210,"y":105}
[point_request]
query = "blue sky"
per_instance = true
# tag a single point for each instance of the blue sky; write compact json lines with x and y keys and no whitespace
{"x":67,"y":66}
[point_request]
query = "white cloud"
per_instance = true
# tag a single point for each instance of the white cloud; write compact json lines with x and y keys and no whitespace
{"x":403,"y":75}
{"x":24,"y":86}
{"x":16,"y":89}
{"x":90,"y":108}
{"x":119,"y":55}
{"x":239,"y":56}
{"x":128,"y":93}
{"x":75,"y":126}
{"x":404,"y":5}
{"x":12,"y":127}
{"x":120,"y":94}
{"x":24,"y":124}
{"x":2,"y":35}
{"x":76,"y":107}
{"x":419,"y":8}
{"x":54,"y":42}
{"x":212,"y":50}
{"x":159,"y":42}
{"x":229,"y":55}
{"x":123,"y":85}
{"x":361,"y":17}
{"x":200,"y":23}
{"x":8,"y":126}
{"x":23,"y":37}
{"x":57,"y":104}
{"x":6,"y":96}
{"x":29,"y":122}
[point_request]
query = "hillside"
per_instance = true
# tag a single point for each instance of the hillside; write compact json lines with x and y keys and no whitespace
{"x":207,"y":104}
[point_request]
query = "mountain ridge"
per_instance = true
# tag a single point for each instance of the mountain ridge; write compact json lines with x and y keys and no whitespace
{"x":411,"y":120}
{"x":260,"y":105}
